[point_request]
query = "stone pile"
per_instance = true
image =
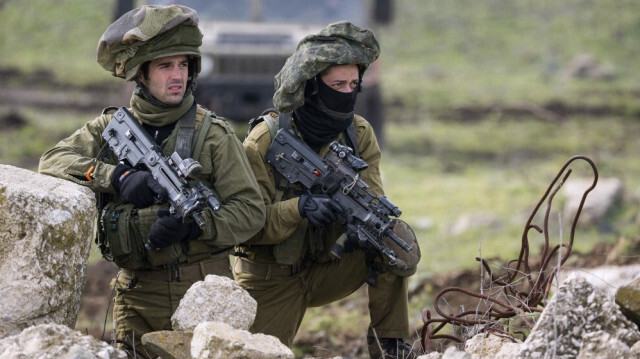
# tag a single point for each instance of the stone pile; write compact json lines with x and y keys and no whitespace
{"x":580,"y":321}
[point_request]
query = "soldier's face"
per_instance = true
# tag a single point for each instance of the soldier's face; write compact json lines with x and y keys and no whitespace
{"x":343,"y":78}
{"x":167,"y":80}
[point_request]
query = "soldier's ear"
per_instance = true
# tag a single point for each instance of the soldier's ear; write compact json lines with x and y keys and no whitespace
{"x":140,"y":78}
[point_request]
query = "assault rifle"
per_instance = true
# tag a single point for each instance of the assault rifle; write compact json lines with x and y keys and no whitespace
{"x":337,"y":175}
{"x":131,"y":143}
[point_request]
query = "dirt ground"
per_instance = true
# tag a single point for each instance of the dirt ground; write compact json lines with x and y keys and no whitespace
{"x":96,"y":301}
{"x":97,"y":298}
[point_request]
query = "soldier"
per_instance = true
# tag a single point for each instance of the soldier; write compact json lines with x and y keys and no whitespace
{"x":158,"y":48}
{"x":287,"y":266}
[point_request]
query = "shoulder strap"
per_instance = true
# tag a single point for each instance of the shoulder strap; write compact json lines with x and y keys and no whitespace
{"x":268,"y":117}
{"x":351,"y":136}
{"x":283,"y":121}
{"x":282,"y":183}
{"x":186,"y":131}
{"x":202,"y":134}
{"x":109,"y":110}
{"x":271,"y":125}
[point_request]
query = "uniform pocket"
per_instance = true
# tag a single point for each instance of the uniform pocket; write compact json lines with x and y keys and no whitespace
{"x":290,"y":250}
{"x":123,"y":240}
{"x":157,"y":257}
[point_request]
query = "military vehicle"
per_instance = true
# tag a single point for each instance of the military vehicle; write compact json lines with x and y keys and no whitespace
{"x":246,"y":42}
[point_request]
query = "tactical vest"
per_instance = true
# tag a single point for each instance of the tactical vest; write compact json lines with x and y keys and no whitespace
{"x":275,"y":121}
{"x":123,"y":229}
{"x":312,"y":243}
{"x":295,"y":249}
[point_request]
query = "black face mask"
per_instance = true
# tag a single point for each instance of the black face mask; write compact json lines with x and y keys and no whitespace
{"x":337,"y":101}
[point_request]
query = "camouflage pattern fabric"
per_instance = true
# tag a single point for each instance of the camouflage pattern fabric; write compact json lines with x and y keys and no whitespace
{"x":339,"y":43}
{"x":411,"y":258}
{"x":146,"y":33}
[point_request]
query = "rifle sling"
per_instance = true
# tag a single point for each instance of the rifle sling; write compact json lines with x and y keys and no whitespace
{"x":202,"y":134}
{"x":351,"y":137}
{"x":186,"y":131}
{"x":282,"y":183}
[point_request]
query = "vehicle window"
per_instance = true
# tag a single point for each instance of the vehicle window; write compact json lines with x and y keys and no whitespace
{"x":227,"y":10}
{"x":318,"y":11}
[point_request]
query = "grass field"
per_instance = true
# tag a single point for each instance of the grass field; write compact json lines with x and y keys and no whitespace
{"x":440,"y":55}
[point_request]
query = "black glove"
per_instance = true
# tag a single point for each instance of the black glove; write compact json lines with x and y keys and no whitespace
{"x":319,"y":210}
{"x":167,"y":230}
{"x":137,"y":187}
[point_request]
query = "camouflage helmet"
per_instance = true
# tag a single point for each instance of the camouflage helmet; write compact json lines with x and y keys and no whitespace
{"x":147,"y":33}
{"x":408,"y":261}
{"x":340,"y":43}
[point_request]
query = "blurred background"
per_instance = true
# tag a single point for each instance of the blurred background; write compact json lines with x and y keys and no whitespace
{"x":478,"y":104}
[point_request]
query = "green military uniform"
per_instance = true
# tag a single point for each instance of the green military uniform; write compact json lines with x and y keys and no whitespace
{"x":311,"y":278}
{"x":287,"y":267}
{"x":150,"y":283}
{"x":148,"y":306}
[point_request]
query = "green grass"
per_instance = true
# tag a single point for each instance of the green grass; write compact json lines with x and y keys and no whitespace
{"x":499,"y":169}
{"x":58,"y":36}
{"x":24,"y":145}
{"x":457,"y":53}
{"x":452,"y":53}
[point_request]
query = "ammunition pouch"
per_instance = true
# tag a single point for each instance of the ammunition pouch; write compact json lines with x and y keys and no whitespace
{"x":118,"y":232}
{"x":291,"y":250}
{"x":125,"y":230}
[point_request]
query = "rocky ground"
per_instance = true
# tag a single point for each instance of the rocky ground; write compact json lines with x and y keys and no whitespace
{"x":604,"y":260}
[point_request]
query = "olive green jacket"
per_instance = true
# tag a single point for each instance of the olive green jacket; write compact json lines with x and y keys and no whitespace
{"x":225,"y":170}
{"x":284,"y":223}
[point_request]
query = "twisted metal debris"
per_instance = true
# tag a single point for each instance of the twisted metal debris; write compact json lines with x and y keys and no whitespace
{"x":520,"y":291}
